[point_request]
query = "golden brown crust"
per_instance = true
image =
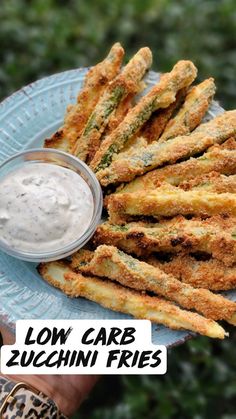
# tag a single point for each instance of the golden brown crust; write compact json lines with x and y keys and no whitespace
{"x":83,"y":256}
{"x":229,"y":144}
{"x":128,"y":81}
{"x":119,"y":114}
{"x":203,"y":191}
{"x":155,"y":126}
{"x":135,"y":144}
{"x":164,"y":202}
{"x":118,"y":298}
{"x":96,"y":81}
{"x":110,"y":262}
{"x":58,"y":140}
{"x":210,"y":274}
{"x":211,"y":182}
{"x":193,"y":110}
{"x":54,"y":273}
{"x":160,"y":96}
{"x":215,"y":235}
{"x":218,"y":160}
{"x":157,"y":154}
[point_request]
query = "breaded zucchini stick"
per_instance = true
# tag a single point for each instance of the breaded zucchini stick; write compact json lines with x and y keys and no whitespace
{"x":128,"y":81}
{"x":160,"y":96}
{"x":118,"y":114}
{"x":217,"y":159}
{"x":124,"y":300}
{"x":155,"y":126}
{"x":193,"y":110}
{"x":164,"y":202}
{"x":131,"y":146}
{"x":157,"y":154}
{"x":230,"y":144}
{"x":110,"y":262}
{"x":212,"y":182}
{"x":210,"y":274}
{"x":215,"y":236}
{"x":96,"y":81}
{"x":59,"y":140}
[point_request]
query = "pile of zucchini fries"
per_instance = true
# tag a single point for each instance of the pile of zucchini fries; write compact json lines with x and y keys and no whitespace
{"x":169,"y":184}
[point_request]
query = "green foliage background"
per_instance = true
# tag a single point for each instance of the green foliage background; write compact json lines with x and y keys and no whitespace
{"x":41,"y":37}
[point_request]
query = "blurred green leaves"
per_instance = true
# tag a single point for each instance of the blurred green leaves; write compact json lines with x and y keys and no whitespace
{"x":200,"y":384}
{"x":41,"y":37}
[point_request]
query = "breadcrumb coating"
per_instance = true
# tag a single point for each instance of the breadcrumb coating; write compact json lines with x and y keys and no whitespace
{"x":211,"y":274}
{"x":155,"y":126}
{"x":215,"y":236}
{"x":125,"y":83}
{"x":118,"y":298}
{"x":96,"y":81}
{"x":110,"y":262}
{"x":193,"y":110}
{"x":157,"y":154}
{"x":211,"y":182}
{"x":218,"y":159}
{"x":160,"y":96}
{"x":169,"y":202}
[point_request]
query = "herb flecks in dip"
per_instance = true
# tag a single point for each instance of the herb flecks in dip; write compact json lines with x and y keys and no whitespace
{"x":43,"y":207}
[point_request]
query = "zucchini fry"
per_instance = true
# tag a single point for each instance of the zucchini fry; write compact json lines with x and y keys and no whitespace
{"x":96,"y":81}
{"x":128,"y":81}
{"x":132,"y":146}
{"x":215,"y":236}
{"x":210,"y":274}
{"x":212,"y":182}
{"x":58,"y":140}
{"x":124,"y":300}
{"x":155,"y":126}
{"x":152,"y":129}
{"x":193,"y":110}
{"x":112,"y":263}
{"x":168,"y":202}
{"x":217,"y":159}
{"x":157,"y":154}
{"x":119,"y":114}
{"x":160,"y":96}
{"x":230,"y":144}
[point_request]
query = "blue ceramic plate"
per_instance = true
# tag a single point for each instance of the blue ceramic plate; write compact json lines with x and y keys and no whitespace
{"x":26,"y":119}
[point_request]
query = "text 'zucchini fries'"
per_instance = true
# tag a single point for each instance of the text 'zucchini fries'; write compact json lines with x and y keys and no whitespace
{"x":128,"y":81}
{"x":157,"y":154}
{"x":160,"y":96}
{"x":210,"y":274}
{"x":215,"y":236}
{"x":164,"y":202}
{"x":96,"y":81}
{"x":118,"y":298}
{"x":110,"y":262}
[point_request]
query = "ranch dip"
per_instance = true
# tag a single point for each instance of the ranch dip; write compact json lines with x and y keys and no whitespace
{"x":43,"y":207}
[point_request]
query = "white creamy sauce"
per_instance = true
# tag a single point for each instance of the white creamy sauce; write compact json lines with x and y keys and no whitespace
{"x":43,"y":207}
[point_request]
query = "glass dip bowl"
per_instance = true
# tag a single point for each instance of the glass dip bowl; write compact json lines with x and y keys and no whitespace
{"x":68,"y":161}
